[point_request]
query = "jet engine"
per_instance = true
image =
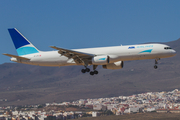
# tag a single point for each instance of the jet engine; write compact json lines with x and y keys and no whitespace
{"x":113,"y":66}
{"x":100,"y":60}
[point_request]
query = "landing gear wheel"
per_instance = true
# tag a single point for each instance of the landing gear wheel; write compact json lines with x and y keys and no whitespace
{"x":155,"y":67}
{"x":95,"y":72}
{"x":83,"y":70}
{"x":91,"y":73}
{"x":87,"y":69}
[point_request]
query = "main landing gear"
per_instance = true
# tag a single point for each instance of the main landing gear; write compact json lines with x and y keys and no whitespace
{"x":85,"y":70}
{"x":88,"y":70}
{"x":156,"y":62}
{"x":94,"y":70}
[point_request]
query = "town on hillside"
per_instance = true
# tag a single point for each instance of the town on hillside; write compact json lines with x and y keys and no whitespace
{"x":161,"y":102}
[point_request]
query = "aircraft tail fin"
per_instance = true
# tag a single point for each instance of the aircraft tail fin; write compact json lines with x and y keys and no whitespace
{"x":22,"y":45}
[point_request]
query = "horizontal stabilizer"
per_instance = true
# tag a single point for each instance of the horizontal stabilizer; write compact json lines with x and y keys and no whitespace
{"x":18,"y":57}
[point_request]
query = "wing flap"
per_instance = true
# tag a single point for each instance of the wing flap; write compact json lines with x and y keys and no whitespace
{"x":71,"y":52}
{"x":79,"y":57}
{"x":18,"y":57}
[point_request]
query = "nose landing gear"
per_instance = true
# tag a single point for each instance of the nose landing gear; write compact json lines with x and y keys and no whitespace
{"x":155,"y":66}
{"x":156,"y":62}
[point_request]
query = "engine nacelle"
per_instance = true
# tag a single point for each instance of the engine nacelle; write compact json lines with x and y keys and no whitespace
{"x":100,"y":60}
{"x":113,"y":66}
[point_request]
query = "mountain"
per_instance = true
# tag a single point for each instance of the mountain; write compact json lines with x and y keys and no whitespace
{"x":25,"y":84}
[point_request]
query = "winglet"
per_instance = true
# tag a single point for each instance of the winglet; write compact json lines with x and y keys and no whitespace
{"x":14,"y":56}
{"x":54,"y":47}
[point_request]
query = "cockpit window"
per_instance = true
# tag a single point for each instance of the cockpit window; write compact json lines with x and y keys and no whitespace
{"x":166,"y":48}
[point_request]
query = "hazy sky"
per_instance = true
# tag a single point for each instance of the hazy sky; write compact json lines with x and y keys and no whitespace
{"x":88,"y":23}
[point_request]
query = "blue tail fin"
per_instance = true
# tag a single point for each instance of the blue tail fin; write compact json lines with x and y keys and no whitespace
{"x":22,"y":45}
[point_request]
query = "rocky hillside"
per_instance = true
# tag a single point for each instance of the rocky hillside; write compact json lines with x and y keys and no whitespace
{"x":26,"y":84}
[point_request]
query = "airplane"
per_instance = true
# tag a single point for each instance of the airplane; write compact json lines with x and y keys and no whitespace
{"x":109,"y":57}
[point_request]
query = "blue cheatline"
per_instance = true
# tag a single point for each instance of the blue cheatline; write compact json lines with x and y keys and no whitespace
{"x":102,"y":59}
{"x":17,"y":38}
{"x":148,"y":51}
{"x":26,"y":50}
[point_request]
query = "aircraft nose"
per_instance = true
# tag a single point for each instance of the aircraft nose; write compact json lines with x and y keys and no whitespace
{"x":173,"y":52}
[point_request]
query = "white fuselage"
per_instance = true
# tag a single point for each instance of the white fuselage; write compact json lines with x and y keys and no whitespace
{"x":117,"y":53}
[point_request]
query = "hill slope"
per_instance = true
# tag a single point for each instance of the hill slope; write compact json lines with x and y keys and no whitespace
{"x":26,"y":84}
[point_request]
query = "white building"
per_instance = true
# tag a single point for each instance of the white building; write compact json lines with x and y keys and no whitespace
{"x":95,"y":114}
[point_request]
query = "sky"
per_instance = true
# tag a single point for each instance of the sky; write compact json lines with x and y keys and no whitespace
{"x":88,"y":23}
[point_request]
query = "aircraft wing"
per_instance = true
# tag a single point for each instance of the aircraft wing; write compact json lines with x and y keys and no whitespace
{"x":18,"y":57}
{"x":79,"y":57}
